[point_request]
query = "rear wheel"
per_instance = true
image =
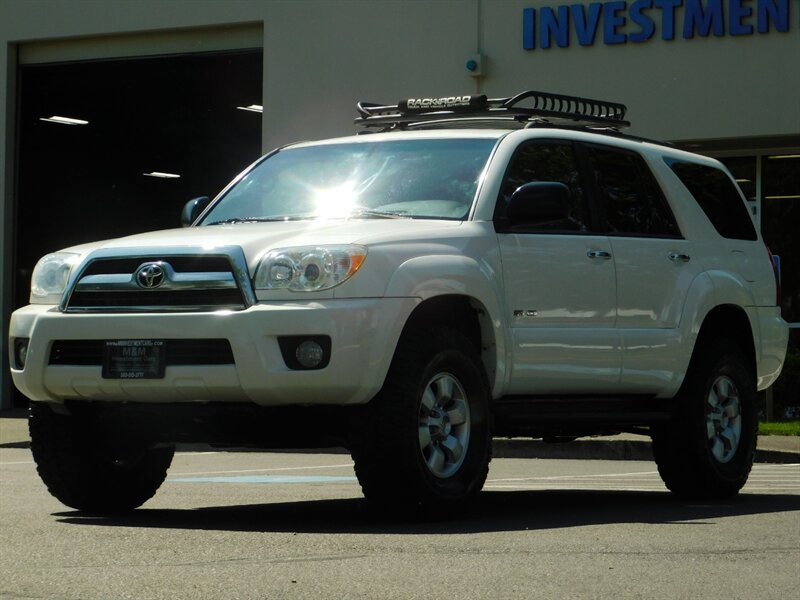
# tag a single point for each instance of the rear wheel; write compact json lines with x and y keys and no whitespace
{"x":425,"y":439}
{"x":87,"y":475}
{"x":708,"y":451}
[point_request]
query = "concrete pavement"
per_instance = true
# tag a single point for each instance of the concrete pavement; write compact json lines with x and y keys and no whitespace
{"x":771,"y":449}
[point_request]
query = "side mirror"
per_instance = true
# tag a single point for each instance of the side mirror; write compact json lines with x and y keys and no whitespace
{"x":539,"y":202}
{"x":192,"y":210}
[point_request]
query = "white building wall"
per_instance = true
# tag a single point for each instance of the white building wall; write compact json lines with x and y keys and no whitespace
{"x":321,"y":56}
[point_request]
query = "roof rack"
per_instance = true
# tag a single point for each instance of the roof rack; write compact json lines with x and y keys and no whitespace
{"x":526,"y":108}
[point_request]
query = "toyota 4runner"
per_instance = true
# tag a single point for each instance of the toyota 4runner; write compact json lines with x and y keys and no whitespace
{"x":471,"y":268}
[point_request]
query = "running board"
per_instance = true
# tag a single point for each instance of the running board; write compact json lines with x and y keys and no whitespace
{"x":537,"y":416}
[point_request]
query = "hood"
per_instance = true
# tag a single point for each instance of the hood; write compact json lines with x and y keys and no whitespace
{"x":257,"y":238}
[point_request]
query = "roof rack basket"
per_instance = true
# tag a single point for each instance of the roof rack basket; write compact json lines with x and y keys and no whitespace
{"x":525,"y":108}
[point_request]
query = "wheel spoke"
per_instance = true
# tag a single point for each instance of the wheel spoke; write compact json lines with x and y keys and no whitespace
{"x":711,"y":429}
{"x":713,"y":399}
{"x":723,"y":388}
{"x":444,"y":390}
{"x":436,"y":460}
{"x":458,"y":412}
{"x":428,"y":401}
{"x":453,"y":449}
{"x":730,"y":435}
{"x":732,"y":409}
{"x":718,"y":449}
{"x":424,"y":436}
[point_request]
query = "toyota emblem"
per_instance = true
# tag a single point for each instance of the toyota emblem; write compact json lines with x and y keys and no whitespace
{"x":150,"y":276}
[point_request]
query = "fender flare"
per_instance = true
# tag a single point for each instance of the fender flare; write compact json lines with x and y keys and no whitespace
{"x":429,"y":277}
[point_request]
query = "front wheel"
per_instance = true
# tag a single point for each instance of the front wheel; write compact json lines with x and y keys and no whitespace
{"x":708,"y":450}
{"x":85,"y":474}
{"x":425,"y":439}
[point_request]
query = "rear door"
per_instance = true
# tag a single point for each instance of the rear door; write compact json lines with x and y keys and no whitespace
{"x":654,"y":266}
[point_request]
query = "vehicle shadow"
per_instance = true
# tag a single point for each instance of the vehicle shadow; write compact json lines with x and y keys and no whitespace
{"x":493,"y":511}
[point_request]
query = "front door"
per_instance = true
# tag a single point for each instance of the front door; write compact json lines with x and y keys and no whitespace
{"x":560,"y":284}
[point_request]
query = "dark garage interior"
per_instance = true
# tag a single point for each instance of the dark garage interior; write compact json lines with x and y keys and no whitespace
{"x":132,"y":140}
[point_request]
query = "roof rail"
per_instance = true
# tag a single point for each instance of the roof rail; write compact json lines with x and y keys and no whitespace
{"x":526,"y":107}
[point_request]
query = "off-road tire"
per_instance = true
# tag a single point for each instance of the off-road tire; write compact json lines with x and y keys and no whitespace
{"x":435,"y":398}
{"x":82,"y":474}
{"x":694,"y":453}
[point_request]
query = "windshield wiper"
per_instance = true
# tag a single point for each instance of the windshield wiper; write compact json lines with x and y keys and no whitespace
{"x":257,"y":219}
{"x":360,"y":211}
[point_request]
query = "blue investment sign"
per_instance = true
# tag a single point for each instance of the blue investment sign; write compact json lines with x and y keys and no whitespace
{"x":621,"y":22}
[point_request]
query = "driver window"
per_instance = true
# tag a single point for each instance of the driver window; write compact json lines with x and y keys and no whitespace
{"x":548,"y":161}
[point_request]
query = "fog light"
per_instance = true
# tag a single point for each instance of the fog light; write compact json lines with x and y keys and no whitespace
{"x":20,"y":352}
{"x":309,"y":354}
{"x":305,"y":352}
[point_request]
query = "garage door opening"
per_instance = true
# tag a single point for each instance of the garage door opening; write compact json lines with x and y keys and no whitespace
{"x":115,"y":147}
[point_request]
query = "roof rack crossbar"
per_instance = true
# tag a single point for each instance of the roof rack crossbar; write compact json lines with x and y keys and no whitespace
{"x":537,"y":106}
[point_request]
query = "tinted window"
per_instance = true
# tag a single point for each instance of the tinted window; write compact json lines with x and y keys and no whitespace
{"x":718,"y":197}
{"x":631,"y":197}
{"x":548,"y":161}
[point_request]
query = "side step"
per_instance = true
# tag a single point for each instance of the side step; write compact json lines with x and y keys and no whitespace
{"x":576,"y":416}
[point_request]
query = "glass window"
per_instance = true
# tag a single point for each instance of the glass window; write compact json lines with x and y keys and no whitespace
{"x":718,"y":197}
{"x":433,"y":178}
{"x":631,"y":197}
{"x":780,"y":221}
{"x":743,"y":169}
{"x":548,"y":161}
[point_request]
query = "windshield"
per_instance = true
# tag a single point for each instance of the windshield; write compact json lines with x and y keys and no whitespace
{"x":433,"y":178}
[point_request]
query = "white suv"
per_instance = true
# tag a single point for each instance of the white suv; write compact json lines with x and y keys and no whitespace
{"x":471,"y":268}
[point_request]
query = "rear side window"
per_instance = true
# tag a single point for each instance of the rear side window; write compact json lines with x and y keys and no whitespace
{"x":631,"y":198}
{"x":718,"y":197}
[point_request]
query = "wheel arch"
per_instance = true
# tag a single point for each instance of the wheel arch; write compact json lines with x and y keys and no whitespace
{"x":730,"y":322}
{"x":467,"y":315}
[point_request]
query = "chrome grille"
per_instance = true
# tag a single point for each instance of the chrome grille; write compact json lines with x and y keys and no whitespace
{"x":177,"y":281}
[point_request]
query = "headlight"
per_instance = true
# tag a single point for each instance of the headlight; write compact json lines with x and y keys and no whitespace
{"x":50,"y":277}
{"x":308,"y":269}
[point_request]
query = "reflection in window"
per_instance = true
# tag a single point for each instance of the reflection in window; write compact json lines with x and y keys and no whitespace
{"x":631,"y":198}
{"x":718,"y":197}
{"x":435,"y":178}
{"x":548,"y":161}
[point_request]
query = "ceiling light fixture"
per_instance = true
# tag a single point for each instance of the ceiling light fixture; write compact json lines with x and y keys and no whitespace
{"x":783,"y":156}
{"x":257,"y":108}
{"x":64,"y":120}
{"x":162,"y":175}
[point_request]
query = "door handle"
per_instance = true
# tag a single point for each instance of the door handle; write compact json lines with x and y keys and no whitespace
{"x":598,"y":254}
{"x":679,"y":257}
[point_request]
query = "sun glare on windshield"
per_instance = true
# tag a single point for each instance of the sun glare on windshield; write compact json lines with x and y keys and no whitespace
{"x":336,"y":202}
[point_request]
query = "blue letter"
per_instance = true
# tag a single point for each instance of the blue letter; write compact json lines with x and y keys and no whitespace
{"x":703,"y":19}
{"x":549,"y":24}
{"x":586,"y":28}
{"x":668,"y":17}
{"x":738,"y":13}
{"x":529,"y":28}
{"x":611,"y":21}
{"x":642,"y":20}
{"x":778,"y":10}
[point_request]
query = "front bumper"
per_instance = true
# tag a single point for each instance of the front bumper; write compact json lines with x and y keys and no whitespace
{"x":363,"y":332}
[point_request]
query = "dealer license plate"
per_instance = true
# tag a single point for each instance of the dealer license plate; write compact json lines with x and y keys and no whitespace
{"x":134,"y":359}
